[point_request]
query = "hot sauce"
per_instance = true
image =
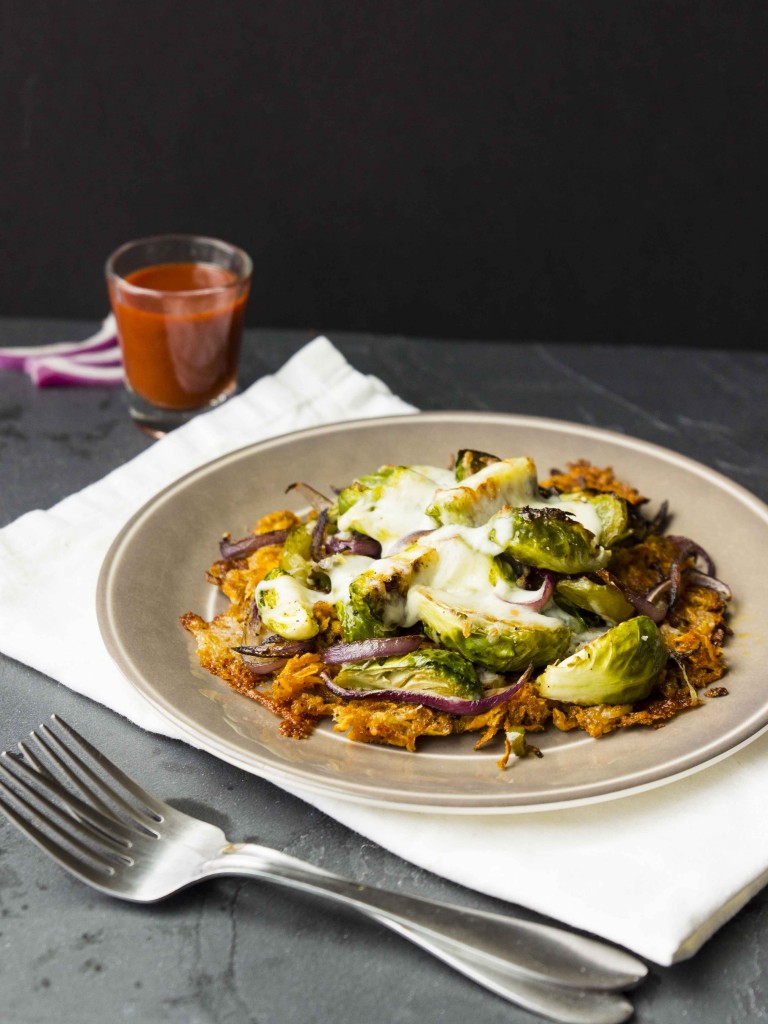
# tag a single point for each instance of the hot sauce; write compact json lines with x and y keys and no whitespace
{"x":180,"y":326}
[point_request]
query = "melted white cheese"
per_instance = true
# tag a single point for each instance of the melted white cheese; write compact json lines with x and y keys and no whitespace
{"x":453,"y":563}
{"x":474,"y":500}
{"x":399,"y":511}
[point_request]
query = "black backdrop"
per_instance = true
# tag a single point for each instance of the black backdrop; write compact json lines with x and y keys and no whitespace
{"x":552,"y":169}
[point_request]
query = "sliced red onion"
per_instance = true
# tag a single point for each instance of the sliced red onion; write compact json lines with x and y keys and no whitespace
{"x":453,"y":705}
{"x":535,"y":600}
{"x":645,"y":606}
{"x":276,"y":647}
{"x":357,"y":544}
{"x":702,"y":579}
{"x":375,"y":647}
{"x":317,"y":542}
{"x":685,"y":548}
{"x":660,"y":521}
{"x":253,"y":621}
{"x":407,"y":540}
{"x":246,"y":546}
{"x":265,"y":666}
{"x":17,"y":358}
{"x":111,"y":356}
{"x":660,"y":590}
{"x":318,"y":501}
{"x":58,"y":371}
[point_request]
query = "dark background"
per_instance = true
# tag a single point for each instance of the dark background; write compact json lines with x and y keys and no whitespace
{"x":549,"y":169}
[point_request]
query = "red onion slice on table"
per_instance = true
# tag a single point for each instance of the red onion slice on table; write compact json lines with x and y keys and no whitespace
{"x":22,"y":357}
{"x":453,"y":705}
{"x":57,"y":372}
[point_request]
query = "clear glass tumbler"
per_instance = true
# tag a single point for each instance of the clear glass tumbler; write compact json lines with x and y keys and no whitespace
{"x":179,"y":302}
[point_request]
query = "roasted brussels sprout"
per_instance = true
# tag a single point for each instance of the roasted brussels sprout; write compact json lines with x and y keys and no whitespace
{"x":297,"y":551}
{"x":547,"y":538}
{"x":469,"y":461}
{"x":366,"y":488}
{"x":285,"y":606}
{"x":619,"y":667}
{"x":474,"y":500}
{"x":389,"y":504}
{"x":427,"y":670}
{"x":376,"y":602}
{"x":481,"y":634}
{"x":604,"y":599}
{"x":611,"y":516}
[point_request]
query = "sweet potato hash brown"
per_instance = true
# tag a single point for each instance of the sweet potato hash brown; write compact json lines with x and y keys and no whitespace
{"x":431,"y":602}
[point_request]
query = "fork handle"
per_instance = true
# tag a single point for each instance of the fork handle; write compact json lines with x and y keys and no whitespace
{"x":560,"y":1003}
{"x":503,"y":949}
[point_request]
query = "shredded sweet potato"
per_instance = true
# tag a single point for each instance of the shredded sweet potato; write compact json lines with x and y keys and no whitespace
{"x":582,"y":476}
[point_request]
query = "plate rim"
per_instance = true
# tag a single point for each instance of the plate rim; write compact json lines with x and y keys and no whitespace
{"x":291,"y":777}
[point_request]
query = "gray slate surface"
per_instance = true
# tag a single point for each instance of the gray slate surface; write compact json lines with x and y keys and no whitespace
{"x":237,"y":952}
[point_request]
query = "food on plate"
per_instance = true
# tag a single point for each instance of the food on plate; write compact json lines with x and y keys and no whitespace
{"x":424,"y":601}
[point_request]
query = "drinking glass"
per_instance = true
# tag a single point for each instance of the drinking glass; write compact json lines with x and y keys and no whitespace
{"x":179,"y":302}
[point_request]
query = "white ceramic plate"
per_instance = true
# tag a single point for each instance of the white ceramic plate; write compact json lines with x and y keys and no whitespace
{"x":155,"y":569}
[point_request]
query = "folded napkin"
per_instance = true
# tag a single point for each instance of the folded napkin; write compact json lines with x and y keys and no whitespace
{"x":657,"y":872}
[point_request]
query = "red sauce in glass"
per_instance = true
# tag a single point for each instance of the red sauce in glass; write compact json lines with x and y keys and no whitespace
{"x":180,"y":337}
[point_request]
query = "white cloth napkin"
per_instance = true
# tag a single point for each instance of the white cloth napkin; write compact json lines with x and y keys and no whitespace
{"x":657,"y":872}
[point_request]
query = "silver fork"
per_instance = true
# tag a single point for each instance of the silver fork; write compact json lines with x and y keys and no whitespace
{"x":102,"y":827}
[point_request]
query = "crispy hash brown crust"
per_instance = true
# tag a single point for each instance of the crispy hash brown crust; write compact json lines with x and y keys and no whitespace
{"x":694,"y":631}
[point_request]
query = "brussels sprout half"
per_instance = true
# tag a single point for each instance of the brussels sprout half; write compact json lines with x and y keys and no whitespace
{"x":297,"y":550}
{"x":377,"y":596}
{"x":611,"y":512}
{"x":619,"y":667}
{"x":428,"y":670}
{"x":389,"y":504}
{"x":547,"y":538}
{"x":604,"y":599}
{"x":470,"y":461}
{"x":357,"y":622}
{"x":475,"y":499}
{"x":504,"y":645}
{"x":285,"y":606}
{"x":367,"y":487}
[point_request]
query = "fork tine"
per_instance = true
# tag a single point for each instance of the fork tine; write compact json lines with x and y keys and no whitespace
{"x":74,"y":834}
{"x":108,"y":825}
{"x":60,"y":854}
{"x":148,"y":812}
{"x":47,"y":758}
{"x":43,"y":760}
{"x":149,"y":800}
{"x":33,"y":759}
